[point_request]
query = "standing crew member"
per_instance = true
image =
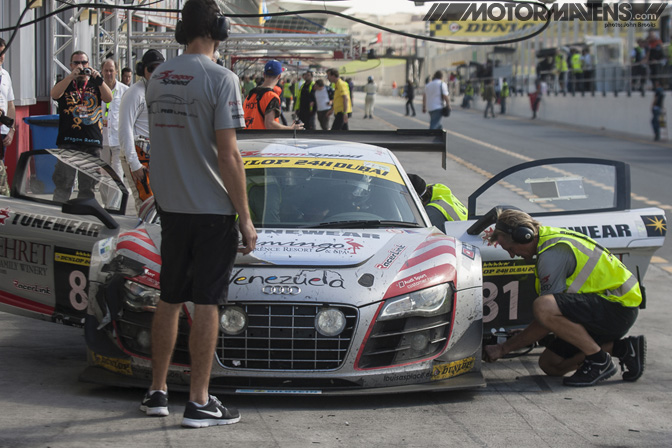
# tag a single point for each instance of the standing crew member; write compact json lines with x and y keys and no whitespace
{"x":262,"y":105}
{"x":587,"y":298}
{"x":199,"y":183}
{"x":503,"y":95}
{"x":577,"y":70}
{"x":341,"y":104}
{"x":80,"y":125}
{"x":306,"y":110}
{"x":134,"y":129}
{"x":439,"y":201}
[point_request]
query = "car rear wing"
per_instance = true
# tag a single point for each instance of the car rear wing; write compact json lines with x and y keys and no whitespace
{"x":419,"y":140}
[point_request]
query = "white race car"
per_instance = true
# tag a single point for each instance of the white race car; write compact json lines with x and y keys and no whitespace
{"x":350,"y":289}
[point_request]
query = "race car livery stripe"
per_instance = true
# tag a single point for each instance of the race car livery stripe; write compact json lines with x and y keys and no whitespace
{"x":139,"y":234}
{"x":431,"y":277}
{"x":23,"y":303}
{"x":435,"y":252}
{"x":432,"y":239}
{"x":374,"y":169}
{"x":140,"y":250}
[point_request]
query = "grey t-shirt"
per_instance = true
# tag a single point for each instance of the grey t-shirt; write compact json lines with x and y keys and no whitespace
{"x":554,"y":266}
{"x":188,"y":98}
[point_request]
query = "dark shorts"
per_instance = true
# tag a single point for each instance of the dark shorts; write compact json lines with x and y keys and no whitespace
{"x":604,"y":320}
{"x":197,"y":253}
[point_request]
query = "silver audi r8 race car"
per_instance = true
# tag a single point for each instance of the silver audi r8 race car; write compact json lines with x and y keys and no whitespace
{"x":350,"y":289}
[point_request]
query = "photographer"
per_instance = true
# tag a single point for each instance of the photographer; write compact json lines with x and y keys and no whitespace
{"x":80,"y":126}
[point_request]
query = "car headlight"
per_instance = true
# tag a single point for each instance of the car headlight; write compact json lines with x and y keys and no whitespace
{"x":138,"y":297}
{"x":424,"y":302}
{"x":330,"y":322}
{"x":233,"y":320}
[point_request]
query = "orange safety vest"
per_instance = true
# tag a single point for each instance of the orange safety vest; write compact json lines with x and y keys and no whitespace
{"x":255,"y":104}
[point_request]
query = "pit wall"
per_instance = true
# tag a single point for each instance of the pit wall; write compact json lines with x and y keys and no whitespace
{"x":623,"y":114}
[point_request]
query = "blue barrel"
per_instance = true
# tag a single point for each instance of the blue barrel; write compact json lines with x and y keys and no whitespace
{"x":43,"y":133}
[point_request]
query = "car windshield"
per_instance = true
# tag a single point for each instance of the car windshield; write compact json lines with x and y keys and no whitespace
{"x":298,"y":197}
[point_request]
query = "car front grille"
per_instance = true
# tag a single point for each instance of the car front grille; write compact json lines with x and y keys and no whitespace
{"x":282,"y":336}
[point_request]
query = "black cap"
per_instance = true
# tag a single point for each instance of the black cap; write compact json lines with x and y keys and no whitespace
{"x":152,"y":57}
{"x":419,"y":184}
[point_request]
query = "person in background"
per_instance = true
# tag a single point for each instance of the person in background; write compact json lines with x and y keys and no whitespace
{"x":341,"y":104}
{"x":410,"y":96}
{"x":262,"y":107}
{"x":306,"y":110}
{"x":287,"y":94}
{"x":322,"y":104}
{"x":503,"y":95}
{"x":126,"y":76}
{"x":657,"y":108}
{"x":489,"y":98}
{"x":370,"y":89}
{"x":134,"y":129}
{"x":80,"y":96}
{"x":7,"y":115}
{"x":435,"y":99}
{"x":111,"y":148}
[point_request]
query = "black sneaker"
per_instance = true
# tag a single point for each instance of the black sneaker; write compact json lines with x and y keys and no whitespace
{"x":590,"y":373}
{"x":212,"y":414}
{"x":155,"y":404}
{"x":632,"y":364}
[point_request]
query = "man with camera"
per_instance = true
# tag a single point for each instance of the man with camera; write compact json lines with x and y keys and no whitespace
{"x":80,"y":96}
{"x":7,"y":115}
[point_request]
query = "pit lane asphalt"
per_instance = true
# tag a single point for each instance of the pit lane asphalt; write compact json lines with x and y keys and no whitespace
{"x":43,"y":404}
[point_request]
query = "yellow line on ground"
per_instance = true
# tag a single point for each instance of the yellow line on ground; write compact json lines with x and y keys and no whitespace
{"x":667,"y":268}
{"x":657,"y":259}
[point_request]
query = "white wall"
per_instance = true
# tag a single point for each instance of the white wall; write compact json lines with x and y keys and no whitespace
{"x":631,"y":115}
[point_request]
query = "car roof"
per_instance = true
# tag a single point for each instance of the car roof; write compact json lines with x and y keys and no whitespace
{"x":315,"y":148}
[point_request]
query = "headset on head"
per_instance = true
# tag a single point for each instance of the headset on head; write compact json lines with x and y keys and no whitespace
{"x":519,"y":234}
{"x":218,"y":32}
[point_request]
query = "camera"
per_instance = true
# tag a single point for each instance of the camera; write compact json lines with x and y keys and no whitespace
{"x":87,"y":71}
{"x":7,"y":121}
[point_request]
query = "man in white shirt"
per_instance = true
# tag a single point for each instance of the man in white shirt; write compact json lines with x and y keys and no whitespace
{"x":6,"y":108}
{"x":434,"y":99}
{"x":322,"y":104}
{"x":134,"y":129}
{"x":111,"y":148}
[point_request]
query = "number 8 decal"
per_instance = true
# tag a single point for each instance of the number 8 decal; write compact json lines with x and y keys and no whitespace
{"x":78,"y":297}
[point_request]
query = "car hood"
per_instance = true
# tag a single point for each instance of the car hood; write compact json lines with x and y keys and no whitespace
{"x":301,"y":247}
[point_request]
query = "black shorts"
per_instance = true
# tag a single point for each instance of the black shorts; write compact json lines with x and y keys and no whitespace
{"x":604,"y":320}
{"x":197,"y":253}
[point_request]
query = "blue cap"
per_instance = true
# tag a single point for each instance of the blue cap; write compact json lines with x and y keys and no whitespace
{"x":273,"y":68}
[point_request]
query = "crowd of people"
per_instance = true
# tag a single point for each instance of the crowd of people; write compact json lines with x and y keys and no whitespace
{"x":308,"y":100}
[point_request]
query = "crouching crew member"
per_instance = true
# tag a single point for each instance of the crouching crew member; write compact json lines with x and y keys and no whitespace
{"x":439,"y":201}
{"x":587,"y":298}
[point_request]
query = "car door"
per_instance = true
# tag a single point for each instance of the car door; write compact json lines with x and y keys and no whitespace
{"x":45,"y":246}
{"x":591,"y":196}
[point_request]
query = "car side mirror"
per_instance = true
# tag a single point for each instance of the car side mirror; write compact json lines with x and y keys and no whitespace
{"x":89,"y":206}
